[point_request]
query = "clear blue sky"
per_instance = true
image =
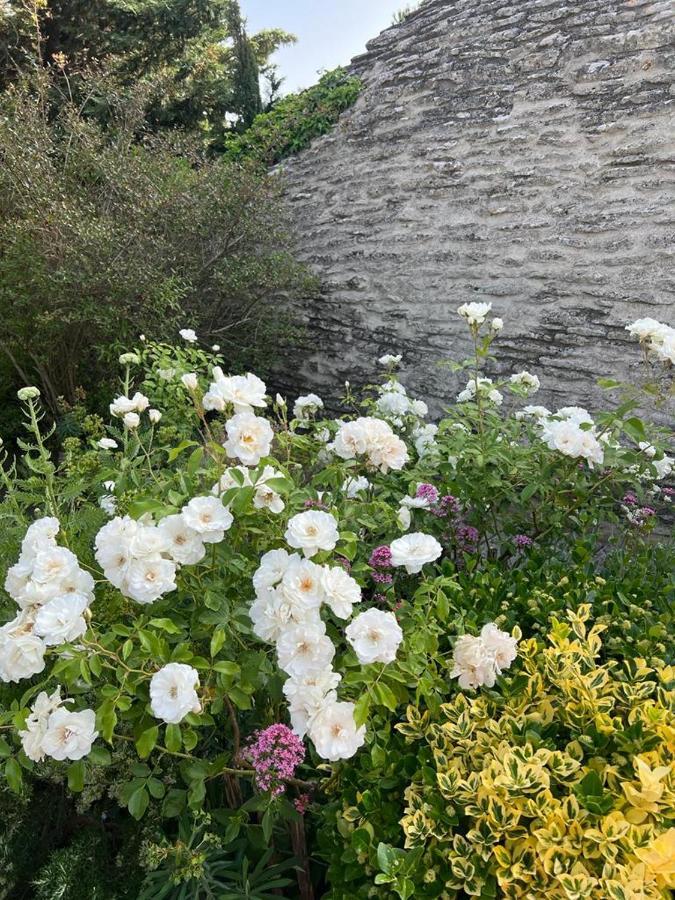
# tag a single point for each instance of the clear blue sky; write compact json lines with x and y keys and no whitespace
{"x":329,"y":33}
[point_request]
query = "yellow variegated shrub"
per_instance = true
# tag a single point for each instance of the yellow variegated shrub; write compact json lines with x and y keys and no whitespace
{"x":561,"y":784}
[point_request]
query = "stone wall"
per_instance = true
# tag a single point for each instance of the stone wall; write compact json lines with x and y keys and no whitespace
{"x":518,"y":153}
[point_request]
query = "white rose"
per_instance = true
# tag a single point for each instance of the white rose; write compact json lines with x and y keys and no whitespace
{"x":208,"y":517}
{"x":107,"y":444}
{"x":53,"y":563}
{"x":500,"y":644}
{"x":303,"y":649}
{"x":375,"y":636}
{"x":188,"y":334}
{"x":36,"y":724}
{"x":21,"y":656}
{"x":185,"y":544}
{"x":70,"y":735}
{"x":154,"y":415}
{"x":303,"y":583}
{"x":334,"y":733}
{"x":131,"y":420}
{"x":306,"y":696}
{"x":355,"y":485}
{"x":414,"y":550}
{"x":173,"y":692}
{"x":272,"y":568}
{"x":497,"y":325}
{"x":61,"y":620}
{"x":389,"y":360}
{"x":190,"y":381}
{"x":473,"y":663}
{"x":243,"y":391}
{"x":306,"y":406}
{"x":341,"y":591}
{"x":474,"y":313}
{"x":312,"y":531}
{"x":249,"y":438}
{"x":147,"y":579}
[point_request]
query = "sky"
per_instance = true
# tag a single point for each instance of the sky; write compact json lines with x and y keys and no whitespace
{"x":329,"y":33}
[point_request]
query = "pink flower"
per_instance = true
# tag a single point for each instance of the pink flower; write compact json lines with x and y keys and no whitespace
{"x":275,"y":754}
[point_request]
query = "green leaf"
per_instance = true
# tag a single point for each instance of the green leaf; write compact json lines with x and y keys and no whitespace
{"x":106,"y":719}
{"x":385,"y":696}
{"x":172,"y":738}
{"x":138,"y":803}
{"x":176,"y":451}
{"x":226,"y":667}
{"x":361,"y":710}
{"x":99,"y":756}
{"x":13,"y":775}
{"x":5,"y":749}
{"x":217,"y":641}
{"x":76,"y":776}
{"x":174,"y":803}
{"x":146,"y":742}
{"x":167,"y":625}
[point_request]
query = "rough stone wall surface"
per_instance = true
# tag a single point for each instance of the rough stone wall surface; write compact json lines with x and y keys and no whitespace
{"x":518,"y":153}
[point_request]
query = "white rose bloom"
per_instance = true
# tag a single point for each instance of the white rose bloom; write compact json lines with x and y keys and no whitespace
{"x":273,"y":612}
{"x":243,"y":391}
{"x":307,"y":696}
{"x":312,"y":531}
{"x":569,"y":439}
{"x":121,"y":406}
{"x":355,"y":485}
{"x":414,"y":550}
{"x":500,"y":644}
{"x":526,"y":380}
{"x":154,"y":415}
{"x":473,"y":663}
{"x":390,"y":359}
{"x":61,"y":620}
{"x":419,"y":408}
{"x":147,"y":541}
{"x":173,"y":693}
{"x":484,"y":387}
{"x":131,"y":421}
{"x":388,"y":452}
{"x":303,"y":583}
{"x":404,"y":518}
{"x":39,"y":532}
{"x":185,"y":545}
{"x":576,"y":414}
{"x":208,"y":517}
{"x":540,"y":413}
{"x":36,"y":724}
{"x":423,"y":437}
{"x":249,"y":438}
{"x":375,"y":636}
{"x":392,"y":404}
{"x":227,"y":480}
{"x":70,"y":735}
{"x":147,"y":579}
{"x":140,"y":401}
{"x":665,"y":351}
{"x":306,"y":406}
{"x":21,"y":656}
{"x":334,"y":733}
{"x":648,"y":330}
{"x":108,"y":504}
{"x":266,"y":497}
{"x":212,"y":401}
{"x":340,"y":590}
{"x":272,"y":568}
{"x":107,"y":444}
{"x":351,"y":439}
{"x":188,"y":334}
{"x":190,"y":381}
{"x":663,"y":466}
{"x":53,"y":563}
{"x":497,"y":325}
{"x":303,"y":649}
{"x":474,"y":313}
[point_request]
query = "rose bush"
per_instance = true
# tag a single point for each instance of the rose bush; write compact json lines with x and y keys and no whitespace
{"x":210,"y":567}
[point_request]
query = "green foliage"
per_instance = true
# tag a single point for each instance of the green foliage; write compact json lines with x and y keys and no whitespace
{"x":296,"y":120}
{"x":180,"y":49}
{"x":103,"y":236}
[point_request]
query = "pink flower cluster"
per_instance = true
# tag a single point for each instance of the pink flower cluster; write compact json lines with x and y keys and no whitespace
{"x":522,"y":541}
{"x":380,"y":558}
{"x":427,"y":492}
{"x":275,"y":754}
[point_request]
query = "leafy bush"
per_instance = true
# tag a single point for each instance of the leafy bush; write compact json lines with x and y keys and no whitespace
{"x":295,"y":120}
{"x":104,"y":236}
{"x":171,"y":564}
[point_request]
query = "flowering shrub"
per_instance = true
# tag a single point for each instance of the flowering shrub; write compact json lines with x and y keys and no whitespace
{"x":209,"y":566}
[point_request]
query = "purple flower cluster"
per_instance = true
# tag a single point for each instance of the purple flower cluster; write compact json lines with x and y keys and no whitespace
{"x":427,"y":492}
{"x":467,"y":537}
{"x":630,"y":499}
{"x":380,"y":558}
{"x":314,"y":504}
{"x":522,"y":541}
{"x":448,"y":506}
{"x":382,"y":578}
{"x":301,"y":803}
{"x":275,"y":754}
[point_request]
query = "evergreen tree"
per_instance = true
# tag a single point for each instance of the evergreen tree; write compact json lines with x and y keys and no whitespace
{"x":246,"y":99}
